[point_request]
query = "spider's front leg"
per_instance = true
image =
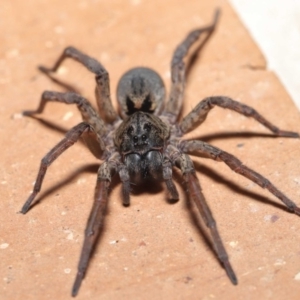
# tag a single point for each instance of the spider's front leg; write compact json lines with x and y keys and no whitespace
{"x":72,"y":136}
{"x":95,"y":221}
{"x":237,"y":166}
{"x":102,"y":80}
{"x":194,"y":191}
{"x":173,"y":106}
{"x":92,"y":231}
{"x":198,"y":115}
{"x":89,"y":115}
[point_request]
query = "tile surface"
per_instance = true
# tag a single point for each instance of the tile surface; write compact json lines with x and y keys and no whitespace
{"x":152,"y":249}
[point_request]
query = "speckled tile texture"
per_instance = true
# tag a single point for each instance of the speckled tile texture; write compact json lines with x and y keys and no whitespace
{"x":152,"y":249}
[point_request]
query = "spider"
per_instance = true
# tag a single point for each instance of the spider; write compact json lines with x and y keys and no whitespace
{"x":144,"y":142}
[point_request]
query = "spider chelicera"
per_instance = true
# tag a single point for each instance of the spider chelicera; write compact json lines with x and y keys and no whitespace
{"x":145,"y":141}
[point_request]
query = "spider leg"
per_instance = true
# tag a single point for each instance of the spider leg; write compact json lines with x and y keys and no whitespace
{"x":95,"y":222}
{"x":72,"y":136}
{"x":167,"y":176}
{"x":178,"y":69}
{"x":200,"y":112}
{"x":125,"y":179}
{"x":194,"y":190}
{"x":92,"y":231}
{"x":102,"y":79}
{"x":237,"y":166}
{"x":88,"y":113}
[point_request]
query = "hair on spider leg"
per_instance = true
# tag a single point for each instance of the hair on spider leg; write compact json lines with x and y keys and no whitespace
{"x":145,"y":141}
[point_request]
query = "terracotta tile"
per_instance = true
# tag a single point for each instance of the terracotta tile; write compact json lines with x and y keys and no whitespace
{"x":151,"y":250}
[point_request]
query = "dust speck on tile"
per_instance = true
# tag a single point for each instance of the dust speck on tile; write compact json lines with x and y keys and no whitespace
{"x":67,"y":271}
{"x":279,"y":262}
{"x":81,"y":181}
{"x":271,"y":218}
{"x":12,"y":53}
{"x":297,"y":276}
{"x":70,"y":235}
{"x":297,"y":180}
{"x":62,"y":70}
{"x":253,"y":207}
{"x":233,"y":244}
{"x":68,"y":115}
{"x":17,"y":116}
{"x":267,"y":218}
{"x":4,"y":245}
{"x":113,"y":242}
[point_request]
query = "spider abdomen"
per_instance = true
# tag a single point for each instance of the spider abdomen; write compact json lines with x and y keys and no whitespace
{"x":140,"y":89}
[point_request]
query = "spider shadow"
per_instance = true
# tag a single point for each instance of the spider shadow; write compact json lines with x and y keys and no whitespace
{"x":91,"y":168}
{"x":235,"y":187}
{"x":49,"y":124}
{"x":150,"y":186}
{"x":55,"y":127}
{"x":66,"y":86}
{"x":230,"y":135}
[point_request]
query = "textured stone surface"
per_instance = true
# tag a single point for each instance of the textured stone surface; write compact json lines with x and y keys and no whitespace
{"x":151,"y":250}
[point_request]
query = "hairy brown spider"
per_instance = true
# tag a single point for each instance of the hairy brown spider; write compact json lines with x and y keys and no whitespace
{"x":145,"y":141}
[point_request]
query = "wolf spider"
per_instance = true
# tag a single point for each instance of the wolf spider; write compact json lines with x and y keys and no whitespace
{"x":145,"y":141}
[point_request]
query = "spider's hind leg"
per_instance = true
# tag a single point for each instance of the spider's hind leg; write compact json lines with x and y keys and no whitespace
{"x":102,"y":90}
{"x":194,"y":191}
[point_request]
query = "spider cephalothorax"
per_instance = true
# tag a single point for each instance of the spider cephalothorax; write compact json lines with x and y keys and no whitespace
{"x":141,"y":139}
{"x":145,"y":141}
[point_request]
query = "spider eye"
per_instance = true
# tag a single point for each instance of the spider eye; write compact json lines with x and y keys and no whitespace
{"x":130,"y":130}
{"x":147,"y":127}
{"x":135,"y":138}
{"x":144,"y":137}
